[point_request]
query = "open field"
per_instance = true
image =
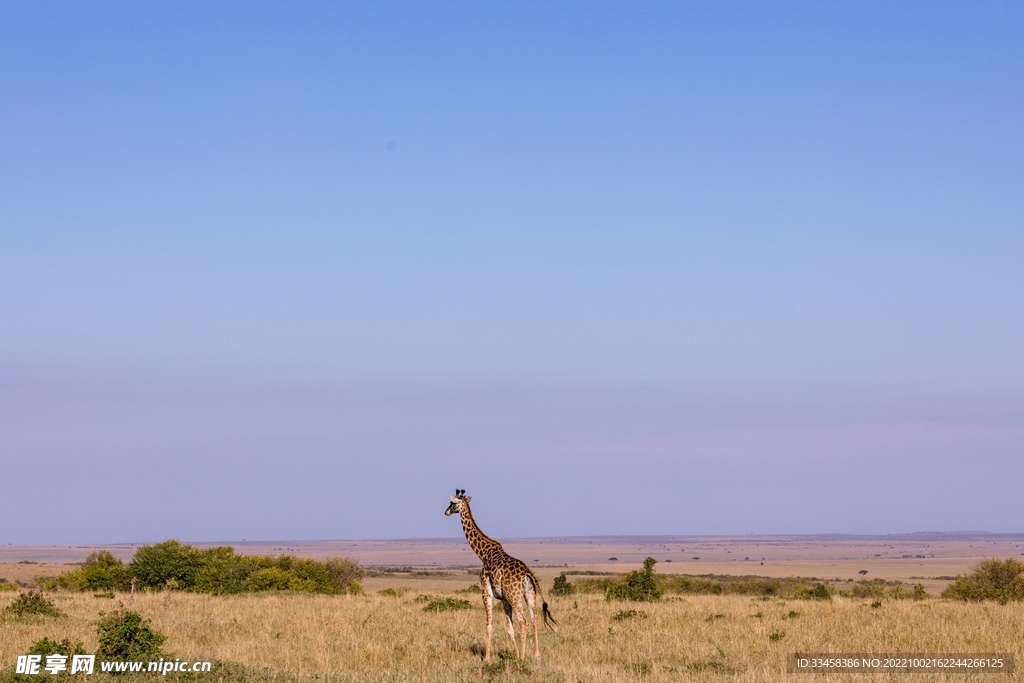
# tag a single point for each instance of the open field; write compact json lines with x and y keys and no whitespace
{"x":297,"y":637}
{"x":289,"y":636}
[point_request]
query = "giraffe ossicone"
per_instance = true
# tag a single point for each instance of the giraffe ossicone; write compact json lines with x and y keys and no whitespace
{"x":503,"y":578}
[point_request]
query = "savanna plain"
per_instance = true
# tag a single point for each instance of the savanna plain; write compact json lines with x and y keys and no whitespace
{"x":396,"y":631}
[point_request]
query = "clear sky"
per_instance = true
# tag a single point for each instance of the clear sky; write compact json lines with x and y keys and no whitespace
{"x":279,"y":271}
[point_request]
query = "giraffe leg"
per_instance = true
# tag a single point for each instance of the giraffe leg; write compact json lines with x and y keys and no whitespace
{"x":509,"y":628}
{"x":531,"y":605}
{"x":485,"y":584}
{"x":521,"y":652}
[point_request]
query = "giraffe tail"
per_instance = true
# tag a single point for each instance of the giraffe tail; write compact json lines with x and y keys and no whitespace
{"x":547,"y":616}
{"x":544,"y":606}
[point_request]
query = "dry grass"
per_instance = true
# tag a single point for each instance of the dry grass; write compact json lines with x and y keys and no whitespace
{"x":388,"y":638}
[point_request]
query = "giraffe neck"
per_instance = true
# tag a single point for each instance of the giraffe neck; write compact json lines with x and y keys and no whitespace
{"x":481,"y":544}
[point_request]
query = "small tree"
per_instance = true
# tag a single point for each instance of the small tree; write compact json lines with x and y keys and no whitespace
{"x":639,"y":585}
{"x":103,"y":571}
{"x":347,"y":574}
{"x":562,"y":586}
{"x":126,"y":636}
{"x":994,"y":579}
{"x":170,"y":564}
{"x":32,"y":604}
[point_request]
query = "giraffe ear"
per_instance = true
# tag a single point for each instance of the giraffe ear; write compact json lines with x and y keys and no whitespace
{"x":467,"y":498}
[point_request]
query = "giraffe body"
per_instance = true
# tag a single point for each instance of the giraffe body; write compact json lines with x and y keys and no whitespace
{"x":505,"y":579}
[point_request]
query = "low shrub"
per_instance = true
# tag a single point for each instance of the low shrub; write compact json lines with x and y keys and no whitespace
{"x":595,"y":585}
{"x":45,"y":647}
{"x":32,"y":604}
{"x":562,"y":586}
{"x":7,"y":586}
{"x":868,"y":589}
{"x":638,"y":585}
{"x":173,"y":565}
{"x":346,"y":573}
{"x":126,"y":636}
{"x":820,"y":592}
{"x":993,"y":579}
{"x":446,"y":605}
{"x":711,"y":584}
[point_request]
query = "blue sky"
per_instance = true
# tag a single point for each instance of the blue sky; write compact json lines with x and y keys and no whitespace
{"x":270,"y":271}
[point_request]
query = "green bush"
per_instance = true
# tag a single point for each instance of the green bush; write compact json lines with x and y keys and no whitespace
{"x":126,"y":636}
{"x":638,"y":585}
{"x":562,"y":586}
{"x":710,"y":584}
{"x":347,"y":574}
{"x":993,"y":579}
{"x":869,"y":589}
{"x":691,"y":585}
{"x":170,"y":564}
{"x":173,"y":565}
{"x":446,"y":604}
{"x":595,"y":585}
{"x":46,"y":647}
{"x":820,"y":592}
{"x":32,"y":604}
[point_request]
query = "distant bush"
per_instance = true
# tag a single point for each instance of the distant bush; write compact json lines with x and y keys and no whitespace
{"x":820,"y":592}
{"x":994,"y":579}
{"x":446,"y":604}
{"x":638,"y":585}
{"x":691,"y":585}
{"x":173,"y":565}
{"x":595,"y":585}
{"x":393,"y":592}
{"x":32,"y":604}
{"x":762,"y":586}
{"x":6,"y":585}
{"x":126,"y":636}
{"x":346,"y":574}
{"x":879,"y":588}
{"x":101,"y":571}
{"x":868,"y":589}
{"x":562,"y":586}
{"x":170,"y":564}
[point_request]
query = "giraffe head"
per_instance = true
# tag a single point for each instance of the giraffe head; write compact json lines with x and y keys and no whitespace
{"x":459,"y":502}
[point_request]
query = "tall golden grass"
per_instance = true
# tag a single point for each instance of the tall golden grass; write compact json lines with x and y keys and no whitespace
{"x":391,"y":638}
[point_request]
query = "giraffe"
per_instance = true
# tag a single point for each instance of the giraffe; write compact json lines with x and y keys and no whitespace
{"x":503,"y":578}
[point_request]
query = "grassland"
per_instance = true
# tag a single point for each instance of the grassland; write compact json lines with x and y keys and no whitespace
{"x":296,"y":637}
